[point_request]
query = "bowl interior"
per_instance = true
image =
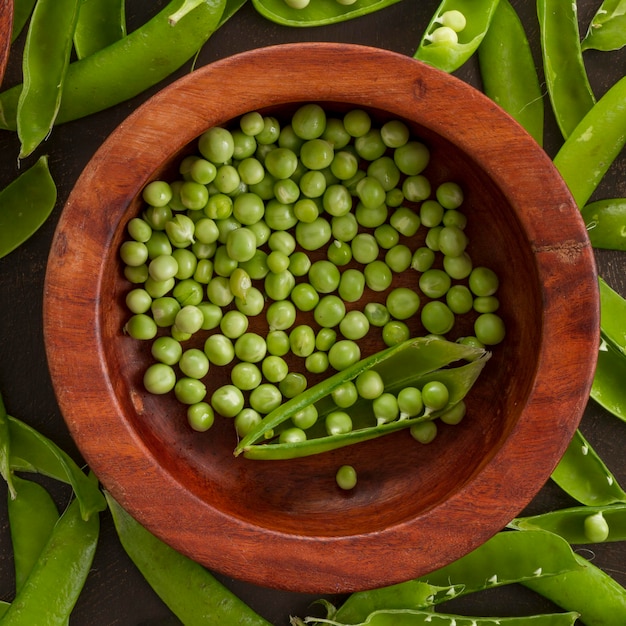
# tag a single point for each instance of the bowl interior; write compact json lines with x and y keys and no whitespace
{"x":285,"y":516}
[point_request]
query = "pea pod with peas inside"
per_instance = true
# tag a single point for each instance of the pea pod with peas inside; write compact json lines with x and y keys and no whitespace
{"x":449,"y":47}
{"x":418,"y":360}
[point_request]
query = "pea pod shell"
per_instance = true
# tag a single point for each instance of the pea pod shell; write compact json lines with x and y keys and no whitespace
{"x":569,"y":523}
{"x":424,"y":353}
{"x":612,"y":317}
{"x":508,"y":72}
{"x":607,"y":29}
{"x":59,"y":574}
{"x":100,"y":23}
{"x":599,"y":598}
{"x":5,"y":449}
{"x":606,"y":223}
{"x":32,"y":451}
{"x":593,"y":145}
{"x":22,"y":10}
{"x":32,"y":517}
{"x":25,"y":204}
{"x":318,"y":12}
{"x":607,"y":388}
{"x":582,"y":474}
{"x":188,"y":589}
{"x":449,"y":57}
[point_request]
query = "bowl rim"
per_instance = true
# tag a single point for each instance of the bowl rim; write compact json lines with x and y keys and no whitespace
{"x":315,"y":563}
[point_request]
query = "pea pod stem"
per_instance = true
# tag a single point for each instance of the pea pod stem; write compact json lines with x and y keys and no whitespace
{"x":448,"y":56}
{"x":188,"y":589}
{"x":129,"y":66}
{"x":58,"y":576}
{"x":503,"y":53}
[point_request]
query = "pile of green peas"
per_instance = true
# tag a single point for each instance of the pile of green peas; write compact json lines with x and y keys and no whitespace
{"x":279,"y":253}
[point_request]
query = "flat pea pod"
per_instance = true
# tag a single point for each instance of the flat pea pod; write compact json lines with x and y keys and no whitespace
{"x":129,"y":66}
{"x":600,"y":599}
{"x":606,"y":223}
{"x":593,"y":145}
{"x":33,"y":452}
{"x":508,"y":72}
{"x":612,"y":317}
{"x":411,"y":617}
{"x":607,"y":388}
{"x":5,"y":449}
{"x":25,"y":204}
{"x":317,"y":12}
{"x":413,"y":358}
{"x":44,"y":66}
{"x":508,"y":557}
{"x":32,"y":517}
{"x":188,"y":589}
{"x":582,"y":474}
{"x":566,"y":78}
{"x":58,"y":576}
{"x":22,"y":10}
{"x":100,"y":23}
{"x":450,"y":56}
{"x":4,"y":607}
{"x":570,"y":523}
{"x":607,"y":29}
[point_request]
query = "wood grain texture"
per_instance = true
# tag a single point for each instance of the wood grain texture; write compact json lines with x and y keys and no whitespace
{"x":283,"y":523}
{"x":6,"y":24}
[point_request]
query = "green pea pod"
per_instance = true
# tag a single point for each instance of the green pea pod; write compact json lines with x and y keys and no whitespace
{"x":187,"y":6}
{"x":448,"y":56}
{"x":508,"y":72}
{"x":412,"y":594}
{"x":612,"y":317}
{"x":32,"y":517}
{"x":607,"y":29}
{"x":606,"y":223}
{"x":566,"y":78}
{"x":22,"y":10}
{"x":607,"y":388}
{"x":32,"y":451}
{"x":58,"y":576}
{"x":25,"y":204}
{"x":188,"y":589}
{"x":600,"y":599}
{"x":317,"y":12}
{"x":129,"y":66}
{"x":594,"y":144}
{"x":5,"y":449}
{"x":411,"y":617}
{"x":414,"y":359}
{"x":45,"y":62}
{"x":582,"y":474}
{"x":570,"y":523}
{"x":232,"y":6}
{"x":4,"y":607}
{"x":508,"y":557}
{"x":100,"y":24}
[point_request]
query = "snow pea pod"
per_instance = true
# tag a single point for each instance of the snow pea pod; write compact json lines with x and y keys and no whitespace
{"x":411,"y":617}
{"x":593,"y":145}
{"x":566,"y":78}
{"x":317,"y":12}
{"x":32,"y":517}
{"x":33,"y":452}
{"x":607,"y":388}
{"x":607,"y":29}
{"x":599,"y":598}
{"x":508,"y":72}
{"x":25,"y":204}
{"x":58,"y":576}
{"x":582,"y":474}
{"x":450,"y":56}
{"x":570,"y":523}
{"x":606,"y":223}
{"x":188,"y":589}
{"x":129,"y":66}
{"x":22,"y":10}
{"x":45,"y":62}
{"x":100,"y":23}
{"x":5,"y":449}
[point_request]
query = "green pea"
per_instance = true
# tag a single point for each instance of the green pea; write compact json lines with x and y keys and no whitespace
{"x":302,"y":340}
{"x":202,"y":171}
{"x":194,"y":363}
{"x":163,"y":267}
{"x":250,"y":347}
{"x":344,"y":227}
{"x":187,"y":262}
{"x":134,"y":253}
{"x":299,"y":263}
{"x":370,"y":145}
{"x":423,"y":259}
{"x":398,"y":258}
{"x":138,"y":300}
{"x":346,"y":477}
{"x":212,"y":315}
{"x":274,"y":368}
{"x":336,"y":200}
{"x":432,"y":238}
{"x":449,"y":195}
{"x":434,"y":283}
{"x":157,"y":217}
{"x":402,"y":303}
{"x":369,"y":384}
{"x":370,"y":192}
{"x":343,"y":354}
{"x":292,"y":435}
{"x":279,"y":216}
{"x":459,"y":299}
{"x":245,"y":376}
{"x":277,"y":342}
{"x":265,"y":398}
{"x":416,"y":188}
{"x":305,"y":296}
{"x":219,"y":349}
{"x":164,"y":311}
{"x":410,"y":402}
{"x":325,"y":338}
{"x":596,"y":528}
{"x":351,"y":285}
{"x":256,"y":267}
{"x":345,"y":395}
{"x":317,"y":362}
{"x":246,"y":420}
{"x":218,"y":291}
{"x":139,"y":229}
{"x":453,"y":217}
{"x":454,"y":415}
{"x":189,"y":390}
{"x":253,"y":303}
{"x":158,"y":288}
{"x":233,"y":324}
{"x":159,"y":378}
{"x":329,"y":311}
{"x":395,"y":332}
{"x":200,"y":416}
{"x":371,"y":217}
{"x":357,"y":122}
{"x":338,"y":423}
{"x":240,"y":283}
{"x":354,"y":325}
{"x":411,"y":157}
{"x":292,"y":385}
{"x":216,"y":145}
{"x":166,"y":350}
{"x":489,"y":329}
{"x":313,"y":235}
{"x":188,"y":292}
{"x":281,"y":315}
{"x":378,"y":276}
{"x":437,"y":318}
{"x":394,"y":133}
{"x":452,"y":241}
{"x":309,"y":121}
{"x":483,"y":281}
{"x":270,"y":132}
{"x":386,"y":236}
{"x":316,"y":154}
{"x":424,"y":432}
{"x":286,"y":191}
{"x":435,"y":395}
{"x":281,"y":162}
{"x":377,"y":314}
{"x":204,"y":271}
{"x":241,"y":244}
{"x":385,"y":171}
{"x":405,"y":221}
{"x":344,"y":165}
{"x":458,"y":267}
{"x":227,"y":400}
{"x":219,"y":206}
{"x":486,"y":304}
{"x":248,"y":208}
{"x":157,"y":193}
{"x":324,"y":276}
{"x":339,"y":253}
{"x":306,"y":417}
{"x":385,"y":408}
{"x":364,"y":248}
{"x":251,"y":123}
{"x":278,"y":285}
{"x":193,"y":195}
{"x":189,"y":319}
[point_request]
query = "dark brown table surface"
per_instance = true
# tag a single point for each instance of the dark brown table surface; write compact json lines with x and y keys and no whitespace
{"x":115,"y":592}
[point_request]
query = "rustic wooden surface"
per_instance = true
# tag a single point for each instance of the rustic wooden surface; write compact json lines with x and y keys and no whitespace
{"x":115,"y":592}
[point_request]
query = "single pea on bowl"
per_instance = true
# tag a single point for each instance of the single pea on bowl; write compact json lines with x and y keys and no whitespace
{"x":296,"y":523}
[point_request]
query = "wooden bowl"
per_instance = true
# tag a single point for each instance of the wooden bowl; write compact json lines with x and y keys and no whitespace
{"x":6,"y":24}
{"x":286,"y":524}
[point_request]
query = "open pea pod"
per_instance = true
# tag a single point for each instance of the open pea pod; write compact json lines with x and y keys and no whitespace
{"x":317,"y":12}
{"x":411,"y":363}
{"x":606,"y":223}
{"x":450,"y":56}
